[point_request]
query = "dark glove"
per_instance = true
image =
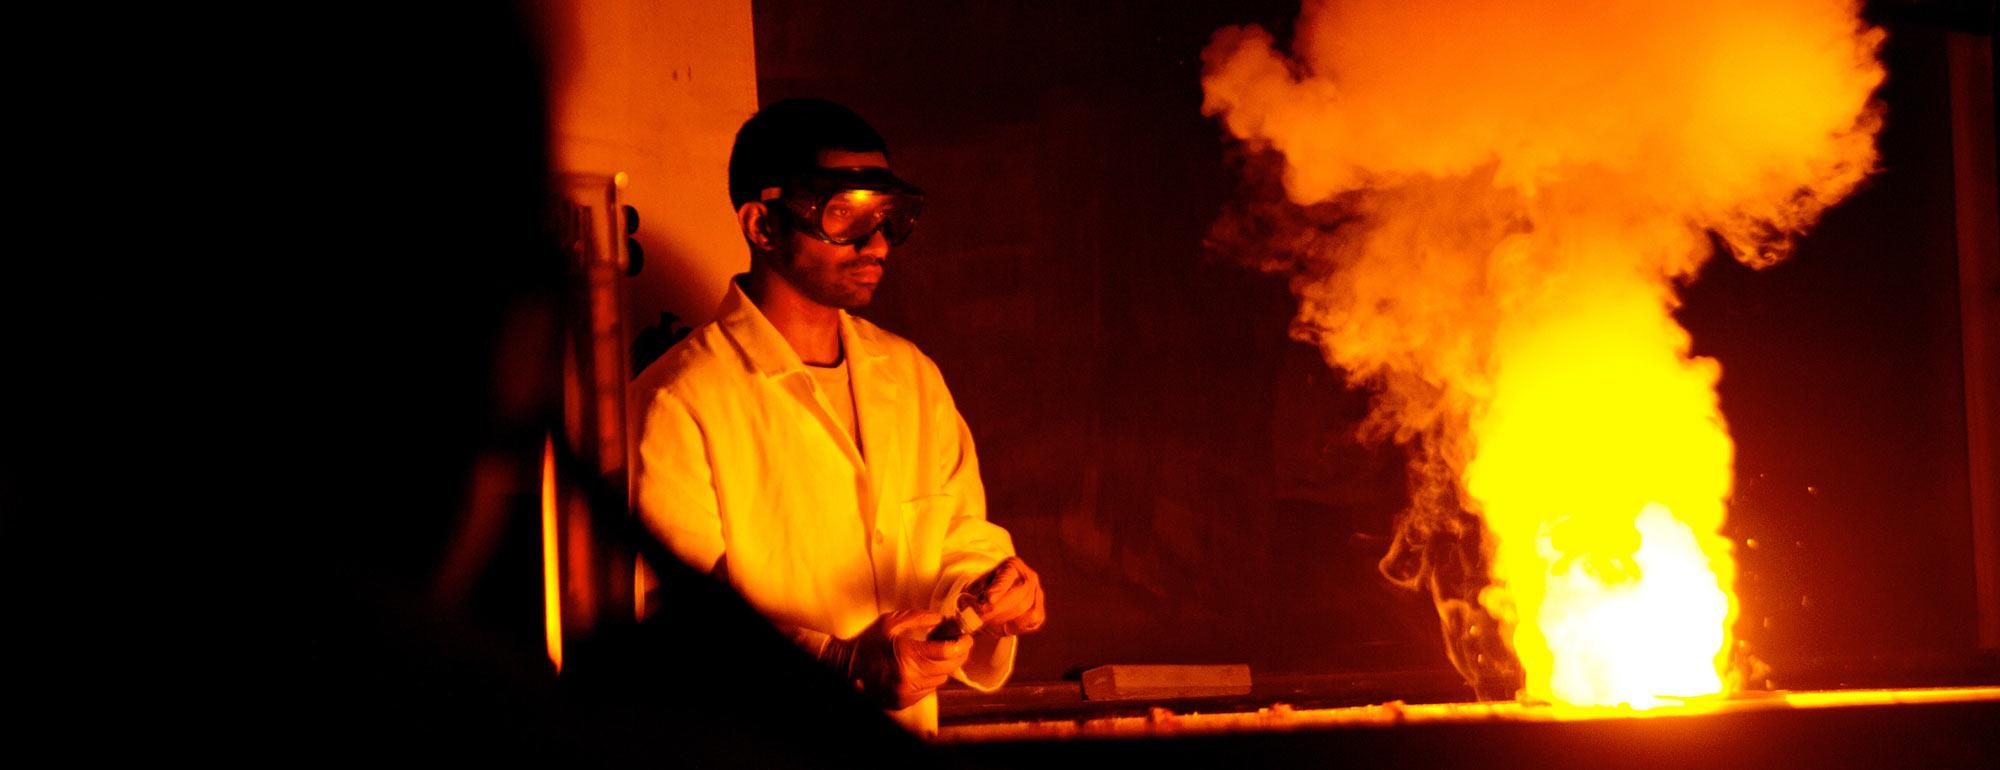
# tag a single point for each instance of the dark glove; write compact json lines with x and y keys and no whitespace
{"x":1008,"y":600}
{"x":892,"y":663}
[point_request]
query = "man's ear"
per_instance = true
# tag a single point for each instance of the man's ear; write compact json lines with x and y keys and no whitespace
{"x":754,"y":219}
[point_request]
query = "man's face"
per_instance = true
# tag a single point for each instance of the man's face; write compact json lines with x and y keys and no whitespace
{"x":836,"y":276}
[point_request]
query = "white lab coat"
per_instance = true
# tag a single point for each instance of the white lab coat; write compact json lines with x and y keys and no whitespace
{"x":739,"y":454}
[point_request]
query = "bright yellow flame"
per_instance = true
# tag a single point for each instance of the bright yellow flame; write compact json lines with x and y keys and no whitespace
{"x":1523,"y":185}
{"x":1601,"y":470}
{"x":551,"y":583}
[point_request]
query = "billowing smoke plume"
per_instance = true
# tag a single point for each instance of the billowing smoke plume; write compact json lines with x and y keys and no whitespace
{"x":1489,"y":206}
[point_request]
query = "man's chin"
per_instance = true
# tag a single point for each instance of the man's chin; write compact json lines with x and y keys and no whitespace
{"x":847,"y":297}
{"x":858,"y":299}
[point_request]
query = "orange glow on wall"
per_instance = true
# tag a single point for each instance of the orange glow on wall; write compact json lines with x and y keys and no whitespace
{"x":658,"y":90}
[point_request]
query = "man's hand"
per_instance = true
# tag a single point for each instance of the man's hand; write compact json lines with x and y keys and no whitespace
{"x":892,"y":662}
{"x":1008,"y":599}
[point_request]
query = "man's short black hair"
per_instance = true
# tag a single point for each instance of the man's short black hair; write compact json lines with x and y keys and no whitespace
{"x":786,"y":138}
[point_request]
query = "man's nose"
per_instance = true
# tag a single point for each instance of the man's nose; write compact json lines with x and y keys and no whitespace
{"x":877,"y":245}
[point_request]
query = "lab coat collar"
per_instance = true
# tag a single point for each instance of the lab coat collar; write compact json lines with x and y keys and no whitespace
{"x":862,"y":351}
{"x":766,"y":349}
{"x":773,"y":357}
{"x":877,"y":397}
{"x":876,"y":392}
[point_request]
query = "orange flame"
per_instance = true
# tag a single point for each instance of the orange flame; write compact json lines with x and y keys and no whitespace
{"x":1524,"y":184}
{"x":551,"y":574}
{"x":1601,"y":470}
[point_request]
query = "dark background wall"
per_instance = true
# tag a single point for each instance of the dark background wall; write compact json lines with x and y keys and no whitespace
{"x":1843,"y":386}
{"x":1183,"y":474}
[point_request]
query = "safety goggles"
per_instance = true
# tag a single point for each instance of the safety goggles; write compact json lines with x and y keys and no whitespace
{"x":845,"y":206}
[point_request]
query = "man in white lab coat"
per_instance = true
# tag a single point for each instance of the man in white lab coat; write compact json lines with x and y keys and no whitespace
{"x":813,"y":460}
